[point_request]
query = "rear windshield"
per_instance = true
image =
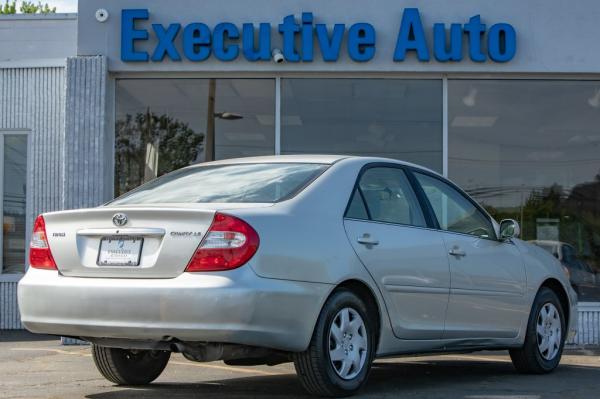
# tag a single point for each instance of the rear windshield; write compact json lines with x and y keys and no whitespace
{"x":251,"y":183}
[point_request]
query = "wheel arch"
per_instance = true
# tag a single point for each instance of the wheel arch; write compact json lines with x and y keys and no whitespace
{"x":560,"y":291}
{"x":366,"y":293}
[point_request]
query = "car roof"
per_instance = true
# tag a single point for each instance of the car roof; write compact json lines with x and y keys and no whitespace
{"x":312,"y":158}
{"x":323,"y":159}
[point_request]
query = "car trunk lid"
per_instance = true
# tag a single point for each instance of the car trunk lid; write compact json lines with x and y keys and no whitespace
{"x":141,"y":242}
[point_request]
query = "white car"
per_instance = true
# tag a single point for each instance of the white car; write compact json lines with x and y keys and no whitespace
{"x":326,"y":261}
{"x":580,"y":274}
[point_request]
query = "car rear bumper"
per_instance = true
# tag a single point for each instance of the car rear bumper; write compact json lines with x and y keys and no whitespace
{"x":236,"y":307}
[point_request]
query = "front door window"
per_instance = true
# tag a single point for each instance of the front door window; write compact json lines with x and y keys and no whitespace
{"x":454,"y":212}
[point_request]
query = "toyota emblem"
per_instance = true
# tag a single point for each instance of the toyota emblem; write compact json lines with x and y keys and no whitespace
{"x":120,"y":219}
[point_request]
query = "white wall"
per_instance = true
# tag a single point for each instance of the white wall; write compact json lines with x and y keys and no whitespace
{"x":554,"y":36}
{"x":37,"y":38}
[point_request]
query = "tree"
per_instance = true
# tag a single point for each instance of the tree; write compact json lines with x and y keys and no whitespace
{"x":137,"y":135}
{"x":26,"y":7}
{"x":8,"y":8}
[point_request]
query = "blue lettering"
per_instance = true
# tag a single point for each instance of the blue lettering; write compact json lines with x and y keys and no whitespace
{"x":411,"y":36}
{"x":307,"y":37}
{"x":288,"y":29}
{"x":361,"y":42}
{"x":502,"y":42}
{"x":166,"y":42}
{"x":196,"y":42}
{"x":129,"y":35}
{"x":330,"y":48}
{"x":454,"y":51}
{"x":263,"y":52}
{"x":475,"y":29}
{"x":225,"y":52}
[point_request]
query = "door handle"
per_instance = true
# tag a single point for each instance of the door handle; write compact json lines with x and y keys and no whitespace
{"x":457,"y":252}
{"x":367,"y":240}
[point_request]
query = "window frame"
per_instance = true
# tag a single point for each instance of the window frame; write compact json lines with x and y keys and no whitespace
{"x":429,"y":223}
{"x":13,"y":277}
{"x":417,"y":187}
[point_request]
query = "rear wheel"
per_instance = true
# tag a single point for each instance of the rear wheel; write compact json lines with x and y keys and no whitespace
{"x":129,"y":367}
{"x":545,"y":336}
{"x":339,"y":357}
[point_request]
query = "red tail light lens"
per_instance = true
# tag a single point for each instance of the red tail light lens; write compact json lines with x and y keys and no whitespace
{"x":229,"y":243}
{"x":40,"y":256}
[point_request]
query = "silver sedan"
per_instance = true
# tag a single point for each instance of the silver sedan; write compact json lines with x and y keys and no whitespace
{"x":326,"y":261}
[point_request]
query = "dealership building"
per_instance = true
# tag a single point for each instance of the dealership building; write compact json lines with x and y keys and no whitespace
{"x":501,"y":97}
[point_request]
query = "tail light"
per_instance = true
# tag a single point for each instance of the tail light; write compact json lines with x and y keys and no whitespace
{"x":229,"y":243}
{"x":40,"y":256}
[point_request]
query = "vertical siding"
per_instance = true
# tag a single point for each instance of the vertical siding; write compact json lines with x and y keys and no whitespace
{"x":9,"y":313}
{"x":32,"y":99}
{"x":86,"y":163}
{"x":86,"y":147}
{"x":64,"y":109}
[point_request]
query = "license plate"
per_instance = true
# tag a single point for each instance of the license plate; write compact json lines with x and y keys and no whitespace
{"x":120,"y":251}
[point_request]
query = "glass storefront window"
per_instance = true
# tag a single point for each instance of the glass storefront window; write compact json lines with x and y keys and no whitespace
{"x":14,"y":190}
{"x":530,"y":150}
{"x":166,"y":124}
{"x":393,"y":118}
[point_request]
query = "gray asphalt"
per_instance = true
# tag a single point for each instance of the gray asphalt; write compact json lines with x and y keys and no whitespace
{"x":39,"y":367}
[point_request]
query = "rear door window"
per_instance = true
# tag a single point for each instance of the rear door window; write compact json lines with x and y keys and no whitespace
{"x":384,"y":195}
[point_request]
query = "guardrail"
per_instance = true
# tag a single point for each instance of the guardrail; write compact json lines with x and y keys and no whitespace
{"x":588,"y":324}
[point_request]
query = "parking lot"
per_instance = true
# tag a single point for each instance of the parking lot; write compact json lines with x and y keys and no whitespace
{"x":32,"y":367}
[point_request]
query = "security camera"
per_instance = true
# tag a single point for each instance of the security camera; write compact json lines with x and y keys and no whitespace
{"x":101,"y":15}
{"x":278,"y":57}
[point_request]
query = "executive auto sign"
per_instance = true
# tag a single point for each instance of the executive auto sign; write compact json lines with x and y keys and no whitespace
{"x":197,"y":42}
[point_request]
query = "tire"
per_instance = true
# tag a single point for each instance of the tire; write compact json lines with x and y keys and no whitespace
{"x":533,"y":357}
{"x":129,"y":367}
{"x":318,"y":373}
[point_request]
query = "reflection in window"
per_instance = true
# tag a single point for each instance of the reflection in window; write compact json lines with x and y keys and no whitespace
{"x":14,"y":203}
{"x":250,"y":183}
{"x":530,"y":150}
{"x":392,"y":118}
{"x":453,"y":211}
{"x":166,"y":124}
{"x":389,"y":197}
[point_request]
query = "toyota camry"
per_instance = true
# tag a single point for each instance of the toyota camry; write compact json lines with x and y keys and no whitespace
{"x":328,"y":262}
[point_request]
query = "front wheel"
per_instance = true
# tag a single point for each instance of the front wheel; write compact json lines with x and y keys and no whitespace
{"x":545,"y":336}
{"x":339,"y":357}
{"x":129,"y":367}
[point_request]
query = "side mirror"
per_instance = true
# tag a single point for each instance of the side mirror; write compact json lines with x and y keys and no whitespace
{"x":509,"y":228}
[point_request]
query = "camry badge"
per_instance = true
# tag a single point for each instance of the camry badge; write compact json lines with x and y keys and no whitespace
{"x":120,"y":219}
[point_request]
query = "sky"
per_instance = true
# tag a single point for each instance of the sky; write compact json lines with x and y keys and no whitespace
{"x":62,"y":5}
